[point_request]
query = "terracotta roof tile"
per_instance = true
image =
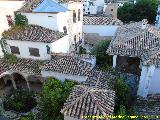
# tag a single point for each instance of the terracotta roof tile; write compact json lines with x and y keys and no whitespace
{"x":68,"y":65}
{"x":33,"y":33}
{"x":132,"y":40}
{"x":100,"y":20}
{"x":22,"y":65}
{"x":89,"y":101}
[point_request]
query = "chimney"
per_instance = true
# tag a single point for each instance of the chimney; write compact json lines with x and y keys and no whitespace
{"x":144,"y":23}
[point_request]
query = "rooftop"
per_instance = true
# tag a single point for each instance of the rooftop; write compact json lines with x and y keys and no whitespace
{"x":68,"y":65}
{"x":137,"y":39}
{"x":33,"y":33}
{"x":84,"y":101}
{"x":101,"y":20}
{"x":22,"y":65}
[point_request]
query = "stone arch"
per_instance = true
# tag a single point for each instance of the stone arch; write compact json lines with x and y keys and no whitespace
{"x":35,"y":83}
{"x":20,"y":81}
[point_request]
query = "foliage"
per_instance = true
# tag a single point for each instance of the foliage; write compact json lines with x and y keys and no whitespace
{"x":123,"y":95}
{"x":143,"y":9}
{"x":99,"y":50}
{"x":30,"y":116}
{"x":11,"y":31}
{"x":20,"y":101}
{"x":52,"y":98}
{"x":122,"y":112}
{"x":20,"y":20}
{"x":10,"y":58}
{"x":82,"y":50}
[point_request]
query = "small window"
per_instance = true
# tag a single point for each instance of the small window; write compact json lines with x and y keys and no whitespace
{"x":48,"y":49}
{"x":88,"y":8}
{"x":74,"y":16}
{"x":65,"y":29}
{"x":14,"y":50}
{"x":75,"y":42}
{"x":79,"y":14}
{"x":111,"y":9}
{"x":34,"y":52}
{"x":89,"y":13}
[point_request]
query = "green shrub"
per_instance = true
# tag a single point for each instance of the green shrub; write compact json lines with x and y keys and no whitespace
{"x":20,"y":101}
{"x":20,"y":20}
{"x":82,"y":50}
{"x":122,"y":112}
{"x":99,"y":50}
{"x":123,"y":95}
{"x":10,"y":58}
{"x":52,"y":98}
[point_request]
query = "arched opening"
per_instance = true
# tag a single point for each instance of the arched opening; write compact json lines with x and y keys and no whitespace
{"x":20,"y":81}
{"x":6,"y":85}
{"x":2,"y":83}
{"x":35,"y":83}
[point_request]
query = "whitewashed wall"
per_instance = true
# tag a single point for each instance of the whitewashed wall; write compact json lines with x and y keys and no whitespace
{"x":62,"y":77}
{"x":7,"y":8}
{"x":61,"y":45}
{"x":155,"y":82}
{"x":102,"y":30}
{"x":24,"y":48}
{"x":43,"y":19}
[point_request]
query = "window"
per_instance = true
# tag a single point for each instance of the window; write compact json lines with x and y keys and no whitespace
{"x":48,"y":49}
{"x":34,"y":52}
{"x":111,"y":9}
{"x":74,"y":16}
{"x":75,"y":42}
{"x":14,"y":50}
{"x":79,"y":14}
{"x":65,"y":29}
{"x":89,"y":13}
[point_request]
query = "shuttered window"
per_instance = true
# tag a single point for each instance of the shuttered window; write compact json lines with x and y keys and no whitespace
{"x":34,"y":52}
{"x":14,"y":50}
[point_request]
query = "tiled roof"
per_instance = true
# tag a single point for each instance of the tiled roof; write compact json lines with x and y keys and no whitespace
{"x":68,"y":65}
{"x":22,"y":65}
{"x":149,"y":106}
{"x":132,"y":40}
{"x":49,"y":6}
{"x":89,"y":101}
{"x":29,"y":5}
{"x":33,"y":33}
{"x":100,"y":20}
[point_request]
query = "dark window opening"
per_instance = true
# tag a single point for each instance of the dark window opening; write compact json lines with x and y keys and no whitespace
{"x":111,"y":9}
{"x":14,"y":50}
{"x":79,"y":15}
{"x":48,"y":49}
{"x":75,"y":42}
{"x":89,"y":13}
{"x":34,"y":52}
{"x":65,"y":29}
{"x":74,"y":16}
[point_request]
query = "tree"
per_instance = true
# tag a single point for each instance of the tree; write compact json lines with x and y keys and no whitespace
{"x":99,"y":50}
{"x":123,"y":96}
{"x":122,"y":112}
{"x":143,"y":9}
{"x":125,"y":13}
{"x":52,"y":98}
{"x":20,"y":20}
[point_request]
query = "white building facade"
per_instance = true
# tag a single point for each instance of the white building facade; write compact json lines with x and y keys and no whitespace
{"x":69,"y":20}
{"x":7,"y":8}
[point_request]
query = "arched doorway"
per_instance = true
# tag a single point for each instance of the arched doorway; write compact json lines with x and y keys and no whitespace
{"x":20,"y":81}
{"x":35,"y":83}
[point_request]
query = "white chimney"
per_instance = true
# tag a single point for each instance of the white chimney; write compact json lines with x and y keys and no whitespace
{"x":144,"y":23}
